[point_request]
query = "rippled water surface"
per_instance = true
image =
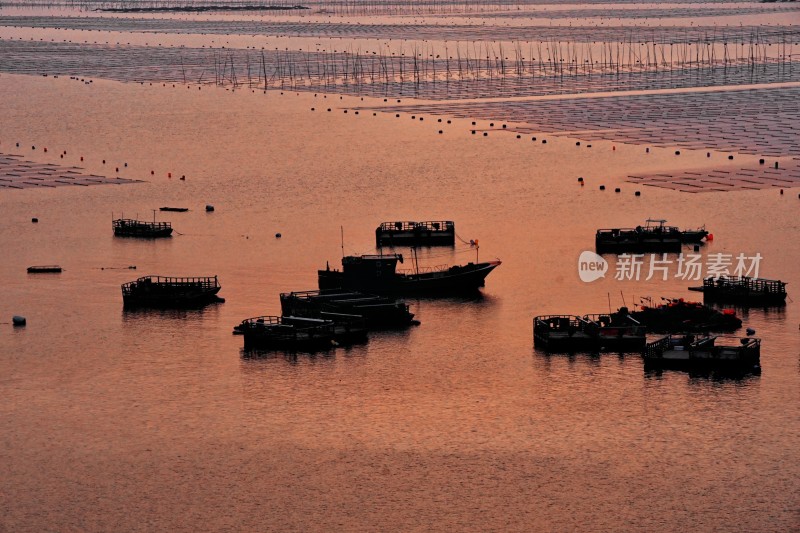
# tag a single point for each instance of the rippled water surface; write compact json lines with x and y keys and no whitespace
{"x":157,"y":420}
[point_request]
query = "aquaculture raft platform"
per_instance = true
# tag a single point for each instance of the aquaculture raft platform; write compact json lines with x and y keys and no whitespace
{"x":17,"y":173}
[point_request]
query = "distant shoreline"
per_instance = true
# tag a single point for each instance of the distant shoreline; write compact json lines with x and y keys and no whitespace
{"x":197,"y":9}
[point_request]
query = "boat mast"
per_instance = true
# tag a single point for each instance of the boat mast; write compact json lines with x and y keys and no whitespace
{"x":341,"y":229}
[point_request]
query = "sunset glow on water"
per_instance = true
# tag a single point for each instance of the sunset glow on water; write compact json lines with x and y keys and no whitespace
{"x":320,"y":124}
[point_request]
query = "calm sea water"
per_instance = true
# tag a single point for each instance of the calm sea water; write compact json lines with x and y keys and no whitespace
{"x":146,"y":421}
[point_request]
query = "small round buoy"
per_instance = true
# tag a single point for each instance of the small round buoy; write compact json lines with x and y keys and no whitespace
{"x":638,"y":193}
{"x":345,"y":110}
{"x":126,"y":165}
{"x":578,"y":143}
{"x":169,"y":174}
{"x":613,"y":148}
{"x":776,"y":164}
{"x":81,"y":158}
{"x":421,"y":118}
{"x":588,"y":146}
{"x":485,"y":134}
{"x":34,"y":220}
{"x":760,"y":161}
{"x":504,"y":126}
{"x":33,"y":148}
{"x":473,"y":132}
{"x":438,"y":120}
{"x":647,"y":150}
{"x":519,"y":136}
{"x":473,"y":123}
{"x":730,"y":157}
{"x":602,"y":187}
{"x":580,"y":179}
{"x":751,"y":331}
{"x":491,"y":124}
{"x":677,"y":152}
{"x":781,"y":192}
{"x":413,"y":117}
{"x":104,"y":161}
{"x":152,"y":172}
{"x":45,"y":150}
{"x":617,"y":189}
{"x":312,"y":109}
{"x":440,"y":131}
{"x":209,"y":207}
{"x":544,"y":141}
{"x":533,"y":138}
{"x":278,"y":235}
{"x":18,"y":320}
{"x":449,"y":122}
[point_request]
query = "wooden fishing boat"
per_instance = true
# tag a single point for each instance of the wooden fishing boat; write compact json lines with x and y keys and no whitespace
{"x":704,"y":352}
{"x":174,"y":209}
{"x":654,"y":236}
{"x":159,"y":291}
{"x":406,"y":233}
{"x":378,"y":274}
{"x":678,"y":315}
{"x":743,"y":290}
{"x":565,"y":333}
{"x":377,"y":311}
{"x":278,"y":333}
{"x":619,"y":332}
{"x":126,"y":227}
{"x":44,"y":269}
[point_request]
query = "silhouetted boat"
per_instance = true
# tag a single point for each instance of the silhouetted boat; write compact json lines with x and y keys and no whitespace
{"x":704,"y":352}
{"x":378,"y":274}
{"x":677,"y":315}
{"x":655,"y":236}
{"x":283,"y":333}
{"x":617,"y":332}
{"x":44,"y":269}
{"x":565,"y":333}
{"x":126,"y":227}
{"x":175,"y":209}
{"x":743,"y":290}
{"x":404,"y":233}
{"x":159,"y":291}
{"x":377,"y":311}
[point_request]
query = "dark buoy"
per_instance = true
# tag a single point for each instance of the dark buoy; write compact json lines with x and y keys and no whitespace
{"x":485,"y":134}
{"x":760,"y":161}
{"x":18,"y":320}
{"x":580,"y":179}
{"x":578,"y":143}
{"x":209,"y":207}
{"x":637,"y":193}
{"x":278,"y":235}
{"x":35,"y":220}
{"x":473,"y":123}
{"x":677,"y":152}
{"x":519,"y":136}
{"x":533,"y":138}
{"x":647,"y":150}
{"x":440,"y":131}
{"x":602,"y":187}
{"x":183,"y":178}
{"x":544,"y":141}
{"x":617,"y":189}
{"x":781,"y":192}
{"x":750,"y":331}
{"x":776,"y":164}
{"x":730,"y":157}
{"x":504,"y":126}
{"x":708,"y":154}
{"x":397,"y":115}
